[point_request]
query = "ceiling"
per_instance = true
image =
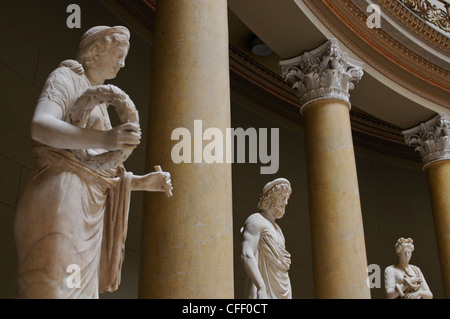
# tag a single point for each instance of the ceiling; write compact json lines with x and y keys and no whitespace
{"x":387,"y":91}
{"x":406,"y":63}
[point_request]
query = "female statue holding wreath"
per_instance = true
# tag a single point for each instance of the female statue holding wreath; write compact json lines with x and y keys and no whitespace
{"x":72,"y":213}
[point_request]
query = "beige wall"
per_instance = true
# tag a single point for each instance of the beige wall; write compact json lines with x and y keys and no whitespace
{"x":34,"y":39}
{"x":247,"y":186}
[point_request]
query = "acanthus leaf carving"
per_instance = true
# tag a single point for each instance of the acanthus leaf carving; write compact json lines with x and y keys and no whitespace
{"x":431,"y":139}
{"x":324,"y":73}
{"x":429,"y":12}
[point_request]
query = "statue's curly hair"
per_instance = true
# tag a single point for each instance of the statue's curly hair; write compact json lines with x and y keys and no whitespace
{"x":103,"y":44}
{"x":402,"y":243}
{"x":266,"y":200}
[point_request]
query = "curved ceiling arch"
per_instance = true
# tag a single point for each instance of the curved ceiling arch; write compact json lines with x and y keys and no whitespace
{"x":388,"y":100}
{"x":401,"y":86}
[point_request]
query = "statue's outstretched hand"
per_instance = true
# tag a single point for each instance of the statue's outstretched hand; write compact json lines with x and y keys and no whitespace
{"x":158,"y":181}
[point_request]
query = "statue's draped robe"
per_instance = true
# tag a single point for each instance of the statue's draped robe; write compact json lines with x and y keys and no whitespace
{"x":394,"y":275}
{"x":71,"y":217}
{"x":274,"y":262}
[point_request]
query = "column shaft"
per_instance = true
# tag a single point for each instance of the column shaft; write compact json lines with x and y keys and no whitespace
{"x":186,"y":249}
{"x":438,"y":175}
{"x":339,"y":254}
{"x":432,"y":140}
{"x":323,"y":78}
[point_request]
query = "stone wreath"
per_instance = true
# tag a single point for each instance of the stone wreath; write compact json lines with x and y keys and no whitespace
{"x":78,"y":115}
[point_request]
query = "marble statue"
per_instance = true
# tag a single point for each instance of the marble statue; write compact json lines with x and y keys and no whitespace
{"x":71,"y":222}
{"x":264,"y":256}
{"x":403,"y":280}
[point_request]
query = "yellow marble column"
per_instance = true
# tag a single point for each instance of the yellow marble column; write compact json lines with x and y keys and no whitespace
{"x":323,"y":78}
{"x":338,"y":245}
{"x":187,"y":245}
{"x":432,"y":140}
{"x":438,"y":175}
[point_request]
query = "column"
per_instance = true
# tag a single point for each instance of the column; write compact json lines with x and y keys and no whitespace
{"x":187,"y":245}
{"x":323,"y":78}
{"x":432,"y":140}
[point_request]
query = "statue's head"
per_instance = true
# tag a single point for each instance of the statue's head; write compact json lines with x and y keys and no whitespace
{"x":274,"y":197}
{"x":404,"y":248}
{"x":104,"y":49}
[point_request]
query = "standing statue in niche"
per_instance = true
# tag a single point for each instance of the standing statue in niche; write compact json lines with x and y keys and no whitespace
{"x":264,"y":257}
{"x":402,"y":280}
{"x":71,"y":221}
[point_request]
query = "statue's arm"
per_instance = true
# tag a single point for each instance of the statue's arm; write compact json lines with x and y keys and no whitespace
{"x":47,"y":127}
{"x":151,"y":182}
{"x":393,"y":289}
{"x":250,"y":239}
{"x":424,"y":290}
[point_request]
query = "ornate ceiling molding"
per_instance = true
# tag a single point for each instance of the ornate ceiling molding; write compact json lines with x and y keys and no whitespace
{"x":381,"y":50}
{"x":399,"y":9}
{"x":390,"y":47}
{"x":430,"y":12}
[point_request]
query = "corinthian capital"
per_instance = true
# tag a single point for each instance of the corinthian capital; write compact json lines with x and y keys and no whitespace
{"x":431,"y":139}
{"x":323,"y":73}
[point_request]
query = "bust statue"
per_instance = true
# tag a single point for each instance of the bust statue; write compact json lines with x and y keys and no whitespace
{"x":264,"y":257}
{"x":73,"y":213}
{"x":403,"y":280}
